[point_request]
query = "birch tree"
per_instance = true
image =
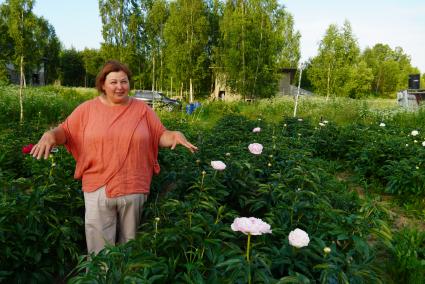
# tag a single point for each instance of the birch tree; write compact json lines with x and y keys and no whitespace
{"x":186,"y":34}
{"x":252,"y":46}
{"x":390,"y":68}
{"x":157,"y":16}
{"x":21,"y":22}
{"x":337,"y":58}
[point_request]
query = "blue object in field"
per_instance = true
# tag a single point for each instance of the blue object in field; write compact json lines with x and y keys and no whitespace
{"x":190,"y":108}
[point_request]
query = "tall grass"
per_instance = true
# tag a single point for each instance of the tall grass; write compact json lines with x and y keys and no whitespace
{"x":52,"y":104}
{"x":48,"y":104}
{"x":341,"y":111}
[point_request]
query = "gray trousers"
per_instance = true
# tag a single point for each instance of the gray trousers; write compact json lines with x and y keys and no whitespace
{"x":105,"y":217}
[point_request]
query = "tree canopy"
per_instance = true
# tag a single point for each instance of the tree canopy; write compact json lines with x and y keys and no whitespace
{"x":183,"y":46}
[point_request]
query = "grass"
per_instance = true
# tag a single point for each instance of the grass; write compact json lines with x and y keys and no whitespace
{"x":341,"y":111}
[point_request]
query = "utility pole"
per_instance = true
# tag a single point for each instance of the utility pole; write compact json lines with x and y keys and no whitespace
{"x":301,"y":66}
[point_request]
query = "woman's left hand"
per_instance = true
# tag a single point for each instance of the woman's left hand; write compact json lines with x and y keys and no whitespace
{"x":173,"y":138}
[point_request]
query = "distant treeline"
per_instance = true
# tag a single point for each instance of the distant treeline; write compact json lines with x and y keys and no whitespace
{"x":192,"y":45}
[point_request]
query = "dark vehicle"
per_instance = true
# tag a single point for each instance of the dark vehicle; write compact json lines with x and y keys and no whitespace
{"x":154,"y":99}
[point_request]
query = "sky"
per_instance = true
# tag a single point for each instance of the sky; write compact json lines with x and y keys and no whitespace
{"x":394,"y":22}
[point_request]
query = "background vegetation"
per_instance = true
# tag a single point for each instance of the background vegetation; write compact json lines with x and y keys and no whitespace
{"x":182,"y":47}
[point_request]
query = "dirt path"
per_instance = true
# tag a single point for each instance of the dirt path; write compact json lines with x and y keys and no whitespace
{"x":400,"y":217}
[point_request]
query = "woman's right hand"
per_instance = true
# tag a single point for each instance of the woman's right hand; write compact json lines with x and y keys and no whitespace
{"x":44,"y":145}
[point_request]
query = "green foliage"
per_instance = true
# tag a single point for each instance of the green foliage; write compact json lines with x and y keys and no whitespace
{"x":186,"y":36}
{"x":185,"y":235}
{"x":336,"y":70}
{"x":43,"y":105}
{"x":390,"y":68}
{"x":41,"y":230}
{"x":191,"y":240}
{"x":408,"y":249}
{"x":72,"y":68}
{"x":93,"y":62}
{"x":252,"y":47}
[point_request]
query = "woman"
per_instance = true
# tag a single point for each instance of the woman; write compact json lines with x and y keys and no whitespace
{"x":114,"y":140}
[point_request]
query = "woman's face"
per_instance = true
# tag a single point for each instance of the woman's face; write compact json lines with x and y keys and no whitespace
{"x":116,"y":87}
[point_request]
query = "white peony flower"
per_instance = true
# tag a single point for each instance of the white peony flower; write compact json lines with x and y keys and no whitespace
{"x":255,"y":148}
{"x":414,"y":132}
{"x":298,"y":238}
{"x":326,"y":250}
{"x":382,"y":124}
{"x":256,"y":129}
{"x":251,"y":225}
{"x":321,"y":124}
{"x":218,"y":165}
{"x":423,"y":143}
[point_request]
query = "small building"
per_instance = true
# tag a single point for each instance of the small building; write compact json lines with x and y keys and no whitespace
{"x":222,"y":92}
{"x":411,"y":99}
{"x":37,"y":77}
{"x":287,"y":78}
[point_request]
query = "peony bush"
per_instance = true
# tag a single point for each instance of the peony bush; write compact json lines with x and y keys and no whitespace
{"x":192,"y":230}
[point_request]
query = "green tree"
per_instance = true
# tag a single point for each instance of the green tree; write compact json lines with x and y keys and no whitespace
{"x":114,"y":14}
{"x":288,"y":40}
{"x":123,"y":28}
{"x":72,"y":68}
{"x":156,"y":18}
{"x":46,"y":49}
{"x":186,"y":35}
{"x":21,"y":22}
{"x":390,"y":69}
{"x":21,"y":29}
{"x":257,"y":37}
{"x":333,"y":69}
{"x":6,"y":44}
{"x":93,"y":61}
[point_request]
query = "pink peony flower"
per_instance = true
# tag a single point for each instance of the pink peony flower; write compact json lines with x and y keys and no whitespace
{"x":251,"y":225}
{"x":27,"y":148}
{"x":218,"y":165}
{"x":256,"y":129}
{"x":255,"y":148}
{"x":298,"y":238}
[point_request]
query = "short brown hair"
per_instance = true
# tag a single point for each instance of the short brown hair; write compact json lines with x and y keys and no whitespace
{"x":110,"y":66}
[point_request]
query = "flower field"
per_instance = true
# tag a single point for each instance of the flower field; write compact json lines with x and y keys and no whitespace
{"x":268,"y":198}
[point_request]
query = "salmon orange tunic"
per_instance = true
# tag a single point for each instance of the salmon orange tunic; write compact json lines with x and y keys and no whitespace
{"x":116,"y":146}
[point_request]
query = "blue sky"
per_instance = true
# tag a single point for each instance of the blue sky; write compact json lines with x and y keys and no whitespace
{"x":393,"y":22}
